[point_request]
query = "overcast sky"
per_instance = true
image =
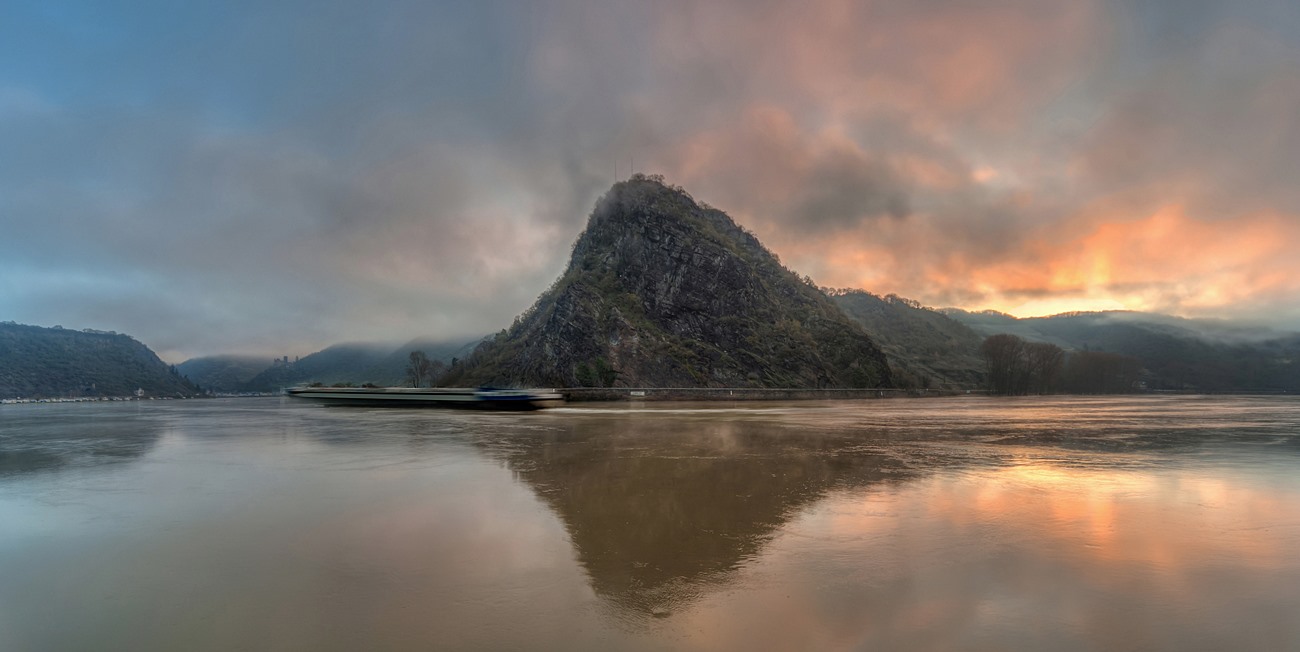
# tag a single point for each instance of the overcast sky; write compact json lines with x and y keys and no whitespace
{"x":274,"y":177}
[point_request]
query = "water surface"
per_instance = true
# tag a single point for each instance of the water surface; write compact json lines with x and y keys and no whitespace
{"x":931,"y":524}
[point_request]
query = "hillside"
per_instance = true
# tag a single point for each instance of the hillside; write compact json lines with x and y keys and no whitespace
{"x":223,"y":373}
{"x":341,"y":363}
{"x":37,"y":362}
{"x":663,"y":292}
{"x":1178,"y":354}
{"x":377,"y":363}
{"x":928,"y":347}
{"x":391,"y":370}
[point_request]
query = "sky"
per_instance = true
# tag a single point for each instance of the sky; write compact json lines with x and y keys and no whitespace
{"x":274,"y":177}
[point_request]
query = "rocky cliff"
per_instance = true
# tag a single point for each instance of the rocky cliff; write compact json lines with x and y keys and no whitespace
{"x":664,"y":292}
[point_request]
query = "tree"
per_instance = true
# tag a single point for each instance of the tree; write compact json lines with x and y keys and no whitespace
{"x":1019,"y":367}
{"x":1043,"y":363}
{"x":1003,"y":356}
{"x":602,"y":374}
{"x":1098,"y":372}
{"x":605,"y":373}
{"x":419,"y":368}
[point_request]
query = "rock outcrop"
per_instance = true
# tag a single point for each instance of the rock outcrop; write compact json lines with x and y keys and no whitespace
{"x":664,"y":292}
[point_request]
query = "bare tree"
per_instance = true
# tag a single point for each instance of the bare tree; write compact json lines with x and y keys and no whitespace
{"x":1098,"y":372}
{"x":419,"y":368}
{"x":1004,"y":357}
{"x":1043,"y":362}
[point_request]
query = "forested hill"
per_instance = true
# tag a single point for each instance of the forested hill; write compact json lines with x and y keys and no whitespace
{"x":926,"y":347}
{"x":1175,"y":353}
{"x":356,"y":364}
{"x":37,"y":362}
{"x":662,"y":291}
{"x":393,"y":368}
{"x":223,"y":373}
{"x":341,"y":363}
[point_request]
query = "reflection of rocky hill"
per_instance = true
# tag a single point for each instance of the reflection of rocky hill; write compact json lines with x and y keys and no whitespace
{"x":53,"y":438}
{"x":660,"y":510}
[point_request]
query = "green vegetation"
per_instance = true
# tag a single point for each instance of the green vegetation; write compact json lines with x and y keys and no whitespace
{"x":1016,"y":366}
{"x":38,"y":362}
{"x":927,"y":348}
{"x":661,"y":291}
{"x":1167,"y":353}
{"x":223,"y":373}
{"x":335,"y":364}
{"x":377,"y":364}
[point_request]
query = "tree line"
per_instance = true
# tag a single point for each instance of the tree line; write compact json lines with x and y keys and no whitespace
{"x":422,"y":369}
{"x":1017,"y":367}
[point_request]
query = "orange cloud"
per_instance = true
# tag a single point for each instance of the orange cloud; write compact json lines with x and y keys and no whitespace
{"x":1166,"y":261}
{"x":981,"y":63}
{"x":1170,"y":261}
{"x":975,"y":156}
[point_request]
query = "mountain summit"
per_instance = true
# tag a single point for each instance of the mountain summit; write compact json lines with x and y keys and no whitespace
{"x":662,"y":291}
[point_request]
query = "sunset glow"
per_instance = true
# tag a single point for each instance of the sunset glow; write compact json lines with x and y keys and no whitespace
{"x":1021,"y":156}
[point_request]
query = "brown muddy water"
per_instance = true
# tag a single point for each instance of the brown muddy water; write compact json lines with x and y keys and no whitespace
{"x":1148,"y":523}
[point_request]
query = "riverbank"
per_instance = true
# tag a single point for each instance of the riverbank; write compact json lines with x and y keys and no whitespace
{"x":592,"y":394}
{"x":78,"y":399}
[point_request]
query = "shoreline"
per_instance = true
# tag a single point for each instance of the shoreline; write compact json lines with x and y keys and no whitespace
{"x":610,"y":394}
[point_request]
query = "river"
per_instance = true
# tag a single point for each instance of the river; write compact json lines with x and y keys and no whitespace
{"x":965,"y":523}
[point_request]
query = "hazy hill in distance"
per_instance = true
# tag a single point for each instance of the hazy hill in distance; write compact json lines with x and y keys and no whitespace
{"x":924,"y":345}
{"x":1178,"y":354}
{"x":391,"y":370}
{"x":356,"y":363}
{"x":38,"y":362}
{"x":341,"y":363}
{"x":992,"y":322}
{"x":223,"y":373}
{"x":664,"y":292}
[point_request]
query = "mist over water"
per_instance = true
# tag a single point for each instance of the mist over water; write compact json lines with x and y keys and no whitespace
{"x":929,"y":524}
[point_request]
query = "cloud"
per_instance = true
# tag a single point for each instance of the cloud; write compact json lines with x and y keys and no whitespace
{"x":766,"y":165}
{"x":1049,"y":180}
{"x":1217,"y":129}
{"x":279,"y":178}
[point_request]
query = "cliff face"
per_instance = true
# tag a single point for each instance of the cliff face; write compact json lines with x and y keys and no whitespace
{"x":663,"y":292}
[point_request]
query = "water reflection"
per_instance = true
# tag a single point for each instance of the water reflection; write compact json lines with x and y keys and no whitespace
{"x":926,"y":530}
{"x":1063,"y":524}
{"x":660,"y":511}
{"x":1035,"y":555}
{"x":36,"y":438}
